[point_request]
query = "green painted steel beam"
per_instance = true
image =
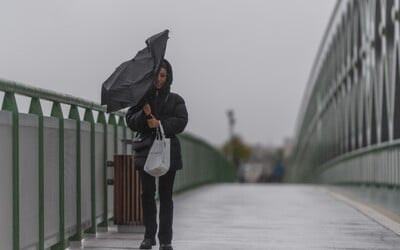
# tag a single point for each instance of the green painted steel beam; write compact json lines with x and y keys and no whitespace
{"x":89,"y":118}
{"x":113,"y":121}
{"x":74,"y":115}
{"x":56,"y":112}
{"x":101,"y":118}
{"x":121,"y":121}
{"x":36,"y":109}
{"x":10,"y":104}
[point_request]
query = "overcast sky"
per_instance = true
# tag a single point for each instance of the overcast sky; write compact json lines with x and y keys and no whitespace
{"x":251,"y":56}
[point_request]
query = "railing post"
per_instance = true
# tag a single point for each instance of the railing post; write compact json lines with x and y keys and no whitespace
{"x":102,"y":120}
{"x":74,"y":115}
{"x":121,"y":123}
{"x":56,"y":112}
{"x":113,"y":121}
{"x":36,"y":109}
{"x":89,"y":118}
{"x":10,"y":104}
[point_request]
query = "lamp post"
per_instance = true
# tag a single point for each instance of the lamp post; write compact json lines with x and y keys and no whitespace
{"x":231,"y":122}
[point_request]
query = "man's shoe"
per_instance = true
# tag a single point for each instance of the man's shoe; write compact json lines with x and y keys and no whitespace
{"x":166,"y":247}
{"x":147,"y":243}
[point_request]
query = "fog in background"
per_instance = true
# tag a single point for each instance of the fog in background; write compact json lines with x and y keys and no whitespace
{"x":253,"y":57}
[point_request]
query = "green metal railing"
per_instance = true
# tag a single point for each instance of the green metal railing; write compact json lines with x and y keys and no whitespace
{"x":348,"y":125}
{"x":10,"y":104}
{"x":202,"y":163}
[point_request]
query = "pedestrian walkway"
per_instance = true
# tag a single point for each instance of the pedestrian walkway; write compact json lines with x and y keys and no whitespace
{"x":252,"y":216}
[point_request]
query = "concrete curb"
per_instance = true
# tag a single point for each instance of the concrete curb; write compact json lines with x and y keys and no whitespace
{"x":382,"y":216}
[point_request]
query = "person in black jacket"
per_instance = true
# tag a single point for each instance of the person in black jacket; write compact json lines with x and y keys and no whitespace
{"x":168,"y":109}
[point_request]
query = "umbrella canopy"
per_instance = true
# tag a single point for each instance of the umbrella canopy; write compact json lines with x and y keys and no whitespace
{"x":130,"y":82}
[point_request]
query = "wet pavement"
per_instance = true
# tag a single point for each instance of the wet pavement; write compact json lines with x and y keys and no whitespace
{"x":252,"y":216}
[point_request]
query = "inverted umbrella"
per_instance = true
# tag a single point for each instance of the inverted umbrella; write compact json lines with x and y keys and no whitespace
{"x":130,"y":82}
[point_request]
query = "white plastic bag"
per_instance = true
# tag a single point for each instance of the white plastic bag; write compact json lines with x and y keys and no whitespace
{"x":158,"y":160}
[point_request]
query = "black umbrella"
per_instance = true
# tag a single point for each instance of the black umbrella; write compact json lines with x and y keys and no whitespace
{"x":130,"y":82}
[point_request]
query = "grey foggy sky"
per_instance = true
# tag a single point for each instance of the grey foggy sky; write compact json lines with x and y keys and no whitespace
{"x":250,"y":56}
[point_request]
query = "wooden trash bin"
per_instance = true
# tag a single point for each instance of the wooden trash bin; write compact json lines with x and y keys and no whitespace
{"x":127,"y":192}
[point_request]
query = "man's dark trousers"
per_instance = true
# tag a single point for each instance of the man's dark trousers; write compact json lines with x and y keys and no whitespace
{"x":165,"y":188}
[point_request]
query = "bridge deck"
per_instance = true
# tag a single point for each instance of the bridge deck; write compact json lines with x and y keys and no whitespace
{"x":233,"y":216}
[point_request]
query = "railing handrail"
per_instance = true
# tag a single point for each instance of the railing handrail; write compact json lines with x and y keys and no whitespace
{"x":315,"y":67}
{"x":29,"y":91}
{"x":357,"y":153}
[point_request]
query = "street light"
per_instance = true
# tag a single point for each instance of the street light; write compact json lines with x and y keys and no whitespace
{"x":231,"y":121}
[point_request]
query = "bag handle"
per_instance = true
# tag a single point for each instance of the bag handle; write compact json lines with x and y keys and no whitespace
{"x":160,"y":132}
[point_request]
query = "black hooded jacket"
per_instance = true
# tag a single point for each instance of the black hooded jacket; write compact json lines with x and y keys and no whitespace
{"x":167,"y":107}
